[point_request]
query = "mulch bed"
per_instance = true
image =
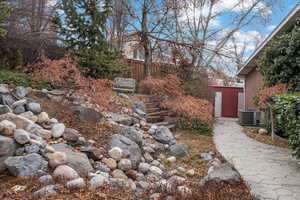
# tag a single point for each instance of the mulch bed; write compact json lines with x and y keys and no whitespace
{"x":266,"y":139}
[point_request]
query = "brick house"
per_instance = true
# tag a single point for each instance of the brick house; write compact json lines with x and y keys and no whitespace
{"x":252,"y":78}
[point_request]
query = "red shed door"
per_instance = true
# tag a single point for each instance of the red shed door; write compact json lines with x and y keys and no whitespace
{"x":229,"y":103}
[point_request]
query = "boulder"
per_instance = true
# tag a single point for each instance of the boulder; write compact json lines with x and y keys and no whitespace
{"x":140,"y":106}
{"x":7,"y":149}
{"x":4,"y":89}
{"x":155,"y":170}
{"x":120,"y":119}
{"x":58,"y":130}
{"x":144,"y":167}
{"x":130,"y":149}
{"x":116,"y":153}
{"x":98,"y":181}
{"x":32,"y":149}
{"x":34,"y":107}
{"x":46,"y":179}
{"x":262,"y":131}
{"x":119,"y":174}
{"x":109,"y":162}
{"x":20,"y":92}
{"x":71,"y":135}
{"x":57,"y":158}
{"x":21,"y":136}
{"x":76,"y":183}
{"x":45,"y":134}
{"x":64,"y":172}
{"x":25,"y":166}
{"x":223,"y":172}
{"x":4,"y":109}
{"x":103,"y":168}
{"x":47,"y":191}
{"x":76,"y":160}
{"x":164,"y":135}
{"x":131,"y":133}
{"x":21,"y":102}
{"x":179,"y":150}
{"x":7,"y":99}
{"x":87,"y":114}
{"x":20,"y":121}
{"x":7,"y":127}
{"x":43,"y":117}
{"x":19,"y":109}
{"x":124,"y":164}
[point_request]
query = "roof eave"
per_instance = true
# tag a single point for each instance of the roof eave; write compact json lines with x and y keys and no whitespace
{"x":282,"y":27}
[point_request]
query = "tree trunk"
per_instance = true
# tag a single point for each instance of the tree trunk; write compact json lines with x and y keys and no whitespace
{"x":146,"y":41}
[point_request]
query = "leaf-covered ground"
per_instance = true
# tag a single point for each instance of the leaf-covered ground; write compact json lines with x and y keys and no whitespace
{"x":266,"y":139}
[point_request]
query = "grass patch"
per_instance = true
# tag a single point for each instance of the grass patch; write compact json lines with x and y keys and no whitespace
{"x":198,"y":143}
{"x":18,"y":78}
{"x":266,"y":139}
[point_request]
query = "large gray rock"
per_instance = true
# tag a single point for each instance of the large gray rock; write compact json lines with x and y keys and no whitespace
{"x":64,"y":172}
{"x":4,"y":109}
{"x":4,"y":89}
{"x":131,"y":133}
{"x":179,"y":150}
{"x":7,"y":99}
{"x":47,"y":191}
{"x":21,"y":136}
{"x":222,"y":172}
{"x":34,"y":107}
{"x":7,"y":149}
{"x":58,"y":130}
{"x":140,"y":105}
{"x":25,"y":166}
{"x":130,"y":149}
{"x":120,"y":119}
{"x":21,"y":122}
{"x":20,"y":92}
{"x":78,"y":161}
{"x":98,"y":181}
{"x":87,"y":114}
{"x":164,"y":135}
{"x":19,"y":109}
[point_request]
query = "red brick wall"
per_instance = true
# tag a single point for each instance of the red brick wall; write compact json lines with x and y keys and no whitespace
{"x":253,"y":82}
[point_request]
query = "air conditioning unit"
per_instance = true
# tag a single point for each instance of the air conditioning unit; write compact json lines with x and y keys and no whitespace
{"x":249,"y":117}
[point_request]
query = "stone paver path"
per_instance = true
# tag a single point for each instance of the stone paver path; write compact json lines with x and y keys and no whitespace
{"x":270,"y":171}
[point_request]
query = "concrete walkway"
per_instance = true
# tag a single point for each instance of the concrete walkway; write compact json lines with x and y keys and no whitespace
{"x":270,"y":171}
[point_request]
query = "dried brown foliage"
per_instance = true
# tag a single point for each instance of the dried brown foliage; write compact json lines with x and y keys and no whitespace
{"x":190,"y":108}
{"x":170,"y":86}
{"x":65,"y":74}
{"x":267,"y":93}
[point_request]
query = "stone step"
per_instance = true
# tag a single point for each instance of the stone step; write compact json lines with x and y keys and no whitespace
{"x":160,"y":113}
{"x":151,"y":110}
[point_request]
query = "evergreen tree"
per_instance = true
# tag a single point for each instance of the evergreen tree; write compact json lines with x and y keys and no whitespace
{"x":4,"y":13}
{"x":82,"y":28}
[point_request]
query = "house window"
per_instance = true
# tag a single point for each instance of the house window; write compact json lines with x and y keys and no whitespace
{"x":142,"y":56}
{"x":135,"y":54}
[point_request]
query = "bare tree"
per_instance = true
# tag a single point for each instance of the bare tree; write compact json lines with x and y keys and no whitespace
{"x":197,"y":25}
{"x":148,"y":19}
{"x":30,"y":29}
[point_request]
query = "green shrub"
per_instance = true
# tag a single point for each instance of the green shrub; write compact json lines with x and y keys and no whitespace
{"x":287,"y":112}
{"x":281,"y":59}
{"x":21,"y":79}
